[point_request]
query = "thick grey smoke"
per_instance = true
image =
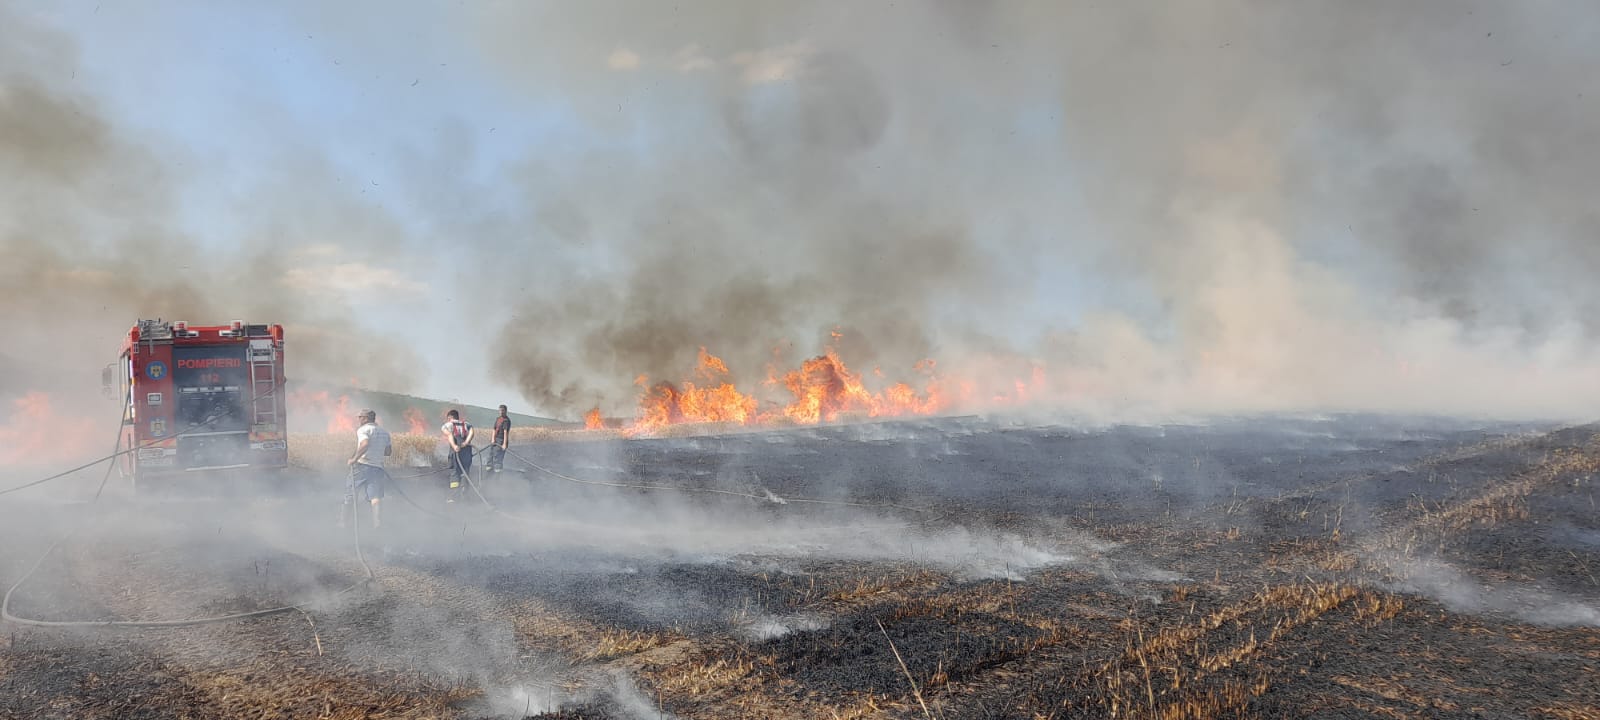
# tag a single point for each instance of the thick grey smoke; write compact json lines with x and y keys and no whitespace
{"x":1222,"y":206}
{"x":89,"y":230}
{"x":1266,"y":206}
{"x":755,"y":248}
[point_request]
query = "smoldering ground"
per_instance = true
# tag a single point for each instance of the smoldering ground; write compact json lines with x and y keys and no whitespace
{"x":927,"y":180}
{"x":654,"y":563}
{"x":544,"y":599}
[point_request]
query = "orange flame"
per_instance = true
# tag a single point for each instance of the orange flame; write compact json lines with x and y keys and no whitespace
{"x":719,"y":401}
{"x":592,"y":420}
{"x":415,"y":425}
{"x":822,"y":389}
{"x":37,"y":433}
{"x":320,"y":404}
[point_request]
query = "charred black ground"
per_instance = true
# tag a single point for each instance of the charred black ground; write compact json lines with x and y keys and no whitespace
{"x":1271,"y":567}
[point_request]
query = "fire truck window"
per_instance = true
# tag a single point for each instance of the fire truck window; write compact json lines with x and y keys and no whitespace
{"x":210,"y":383}
{"x":221,"y":411}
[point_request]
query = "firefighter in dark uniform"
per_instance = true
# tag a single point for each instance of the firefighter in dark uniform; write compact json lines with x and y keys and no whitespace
{"x":502,"y":441}
{"x":458,"y":433}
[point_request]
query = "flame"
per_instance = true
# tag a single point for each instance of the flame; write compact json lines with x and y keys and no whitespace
{"x":320,"y":404}
{"x":37,"y":433}
{"x":1019,"y":392}
{"x":415,"y":425}
{"x":822,"y":389}
{"x":718,"y":401}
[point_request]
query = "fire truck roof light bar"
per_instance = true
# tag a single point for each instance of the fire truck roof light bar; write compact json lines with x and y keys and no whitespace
{"x":152,"y":330}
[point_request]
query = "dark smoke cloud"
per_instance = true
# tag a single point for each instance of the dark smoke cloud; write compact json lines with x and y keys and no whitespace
{"x":1307,"y":203}
{"x":781,"y":216}
{"x":1366,"y":206}
{"x":92,"y":235}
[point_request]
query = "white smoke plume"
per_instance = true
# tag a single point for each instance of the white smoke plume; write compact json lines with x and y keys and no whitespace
{"x":1228,"y":206}
{"x":1461,"y":592}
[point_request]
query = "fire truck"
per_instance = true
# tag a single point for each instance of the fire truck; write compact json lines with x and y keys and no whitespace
{"x":200,"y":399}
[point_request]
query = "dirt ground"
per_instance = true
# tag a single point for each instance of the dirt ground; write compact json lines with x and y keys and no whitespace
{"x":960,"y":568}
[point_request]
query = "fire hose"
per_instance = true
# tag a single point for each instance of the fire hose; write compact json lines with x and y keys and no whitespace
{"x":5,"y":603}
{"x":934,"y":513}
{"x":115,"y":453}
{"x":8,"y":616}
{"x":769,"y":497}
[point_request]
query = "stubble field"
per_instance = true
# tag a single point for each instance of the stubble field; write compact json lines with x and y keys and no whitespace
{"x":959,"y":568}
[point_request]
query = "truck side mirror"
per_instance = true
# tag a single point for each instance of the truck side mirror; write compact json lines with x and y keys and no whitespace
{"x":106,"y":377}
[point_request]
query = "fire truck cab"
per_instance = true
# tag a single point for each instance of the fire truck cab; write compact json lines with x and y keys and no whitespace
{"x":198,"y":399}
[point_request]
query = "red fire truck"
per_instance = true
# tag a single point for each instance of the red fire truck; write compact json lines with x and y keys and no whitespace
{"x":200,"y":399}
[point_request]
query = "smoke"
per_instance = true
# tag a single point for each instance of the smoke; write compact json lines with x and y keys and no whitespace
{"x":1329,"y":215}
{"x":1232,"y":206}
{"x":752,"y":227}
{"x":1461,"y":592}
{"x":769,"y":627}
{"x":91,"y":225}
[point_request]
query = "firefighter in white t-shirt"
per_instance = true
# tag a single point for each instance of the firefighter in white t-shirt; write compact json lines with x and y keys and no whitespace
{"x":367,"y":476}
{"x":458,"y":433}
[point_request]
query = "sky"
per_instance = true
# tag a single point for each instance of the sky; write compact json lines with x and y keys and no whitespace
{"x":1218,"y":206}
{"x":228,"y":87}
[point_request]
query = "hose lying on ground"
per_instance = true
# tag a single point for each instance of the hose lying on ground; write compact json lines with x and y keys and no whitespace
{"x":768,"y":497}
{"x":115,"y":453}
{"x":8,"y":616}
{"x":5,"y":602}
{"x":934,"y":514}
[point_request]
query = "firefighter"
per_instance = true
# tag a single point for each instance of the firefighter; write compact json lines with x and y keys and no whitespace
{"x":367,"y":476}
{"x":502,"y":441}
{"x":458,"y":433}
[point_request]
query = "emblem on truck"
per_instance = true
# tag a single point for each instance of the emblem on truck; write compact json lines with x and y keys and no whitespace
{"x":156,"y":370}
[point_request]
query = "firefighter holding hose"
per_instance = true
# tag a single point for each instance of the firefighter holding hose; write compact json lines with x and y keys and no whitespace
{"x":367,"y":476}
{"x":458,"y":433}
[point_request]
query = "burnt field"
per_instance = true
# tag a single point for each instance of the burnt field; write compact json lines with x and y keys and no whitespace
{"x":960,"y":568}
